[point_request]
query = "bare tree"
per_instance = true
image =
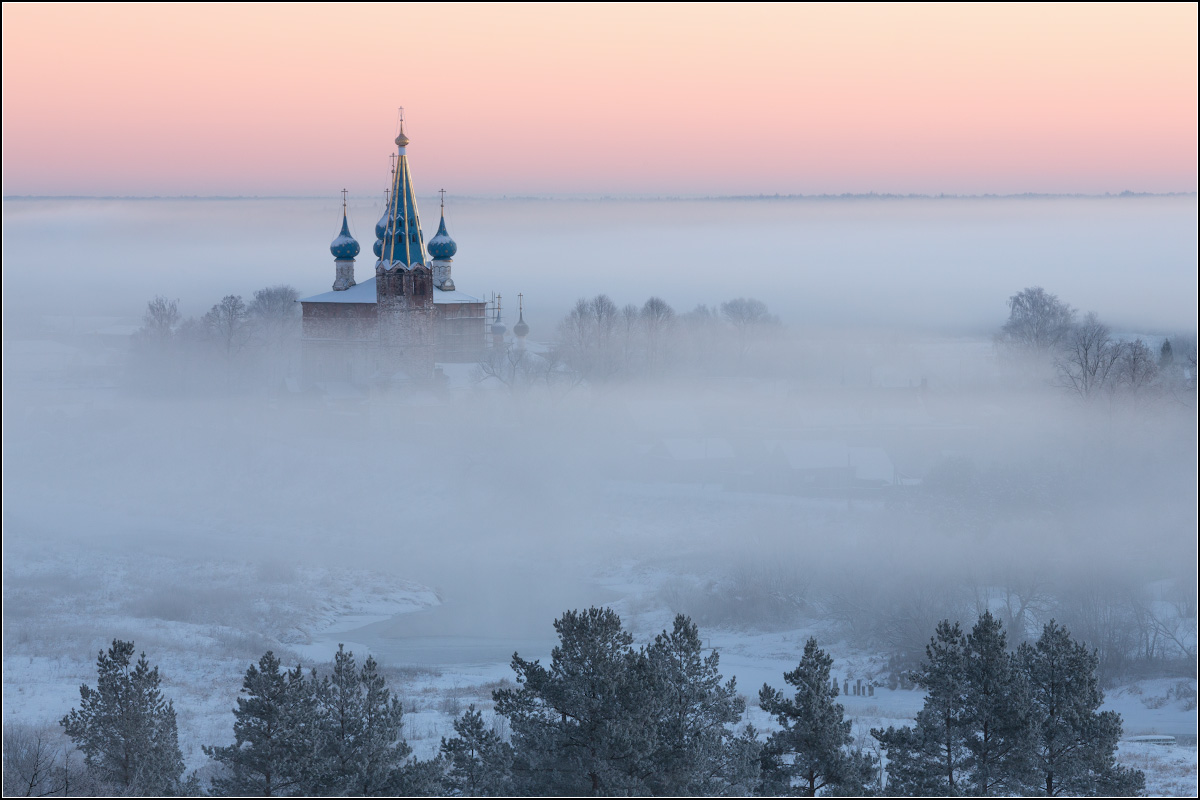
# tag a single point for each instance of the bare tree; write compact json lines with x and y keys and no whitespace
{"x":156,"y":364}
{"x":1135,"y":373}
{"x":750,"y":319}
{"x":586,"y":338}
{"x":1038,"y":322}
{"x":275,"y":307}
{"x":657,"y":319}
{"x":1089,"y":355}
{"x":275,"y":316}
{"x":38,"y":763}
{"x":161,"y":318}
{"x":227,"y":321}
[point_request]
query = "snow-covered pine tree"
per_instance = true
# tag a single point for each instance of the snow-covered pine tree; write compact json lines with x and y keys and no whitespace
{"x":382,"y":750}
{"x":1075,"y":743}
{"x":930,"y":758}
{"x":582,"y":726}
{"x":697,"y":751}
{"x":341,"y":720}
{"x":997,"y":718}
{"x":812,"y":751}
{"x":276,"y":732}
{"x":478,"y":762}
{"x":361,"y":742}
{"x":126,"y":727}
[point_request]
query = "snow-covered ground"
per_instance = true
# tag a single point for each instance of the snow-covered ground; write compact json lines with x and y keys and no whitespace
{"x":208,"y":535}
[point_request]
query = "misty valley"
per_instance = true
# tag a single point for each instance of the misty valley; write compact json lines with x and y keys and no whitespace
{"x":809,"y":466}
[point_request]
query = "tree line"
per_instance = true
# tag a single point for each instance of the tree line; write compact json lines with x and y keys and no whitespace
{"x":600,"y":341}
{"x":235,"y":346}
{"x":607,"y":718}
{"x":1085,"y":358}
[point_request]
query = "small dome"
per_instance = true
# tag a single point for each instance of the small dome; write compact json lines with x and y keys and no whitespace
{"x":441,"y":246}
{"x":381,"y":226}
{"x":498,"y":328}
{"x":402,"y":140}
{"x":521,"y":329}
{"x":344,"y":247}
{"x":378,"y":248}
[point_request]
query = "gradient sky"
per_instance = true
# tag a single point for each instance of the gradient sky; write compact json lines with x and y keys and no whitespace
{"x":271,"y":100}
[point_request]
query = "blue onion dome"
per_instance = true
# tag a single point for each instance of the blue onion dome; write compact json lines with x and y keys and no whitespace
{"x":521,"y":329}
{"x":378,"y":248}
{"x":344,"y":247}
{"x":441,"y":246}
{"x":381,"y":226}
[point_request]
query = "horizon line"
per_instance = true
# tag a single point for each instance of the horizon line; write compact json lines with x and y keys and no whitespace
{"x":636,"y":197}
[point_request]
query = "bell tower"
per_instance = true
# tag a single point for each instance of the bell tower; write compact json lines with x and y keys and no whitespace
{"x":403,"y":279}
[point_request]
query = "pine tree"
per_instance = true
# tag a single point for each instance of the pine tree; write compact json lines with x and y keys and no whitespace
{"x":478,"y":762}
{"x":931,"y":758}
{"x":996,"y":717}
{"x":813,"y":745}
{"x":697,"y":752}
{"x":382,"y":749}
{"x":1165,"y":354}
{"x":126,"y":727}
{"x":1075,"y":743}
{"x":361,"y":744}
{"x":342,"y":717}
{"x":276,"y":735}
{"x":584,"y":725}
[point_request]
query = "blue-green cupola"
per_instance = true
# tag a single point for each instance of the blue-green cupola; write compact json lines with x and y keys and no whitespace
{"x":344,"y":247}
{"x":441,"y":246}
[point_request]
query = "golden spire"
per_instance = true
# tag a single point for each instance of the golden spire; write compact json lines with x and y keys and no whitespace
{"x":401,"y":139}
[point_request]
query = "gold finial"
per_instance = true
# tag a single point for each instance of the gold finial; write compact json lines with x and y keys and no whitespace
{"x":401,"y":139}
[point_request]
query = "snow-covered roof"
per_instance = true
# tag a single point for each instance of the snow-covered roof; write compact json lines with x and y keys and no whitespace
{"x":872,"y":464}
{"x":868,"y":463}
{"x":365,"y":293}
{"x":814,"y":455}
{"x":693,"y":449}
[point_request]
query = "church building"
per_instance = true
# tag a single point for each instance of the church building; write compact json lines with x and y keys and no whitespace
{"x":406,"y":318}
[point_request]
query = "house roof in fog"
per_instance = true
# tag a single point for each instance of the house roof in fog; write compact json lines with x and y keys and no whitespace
{"x":700,"y":449}
{"x":813,"y":455}
{"x":868,"y":463}
{"x":365,"y":293}
{"x":872,"y":464}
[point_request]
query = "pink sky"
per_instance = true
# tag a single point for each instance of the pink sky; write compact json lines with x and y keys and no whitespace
{"x":268,"y":100}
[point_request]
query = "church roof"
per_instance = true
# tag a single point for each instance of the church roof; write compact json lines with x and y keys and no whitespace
{"x":400,"y":238}
{"x":365,"y":293}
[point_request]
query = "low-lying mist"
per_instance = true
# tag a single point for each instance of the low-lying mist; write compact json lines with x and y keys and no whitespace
{"x":699,"y":445}
{"x":928,"y":264}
